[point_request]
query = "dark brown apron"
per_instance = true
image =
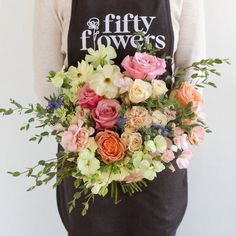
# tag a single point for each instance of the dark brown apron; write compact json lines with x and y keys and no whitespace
{"x":159,"y":209}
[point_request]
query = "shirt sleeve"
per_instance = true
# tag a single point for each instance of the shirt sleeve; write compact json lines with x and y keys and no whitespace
{"x":192,"y":38}
{"x":47,"y":53}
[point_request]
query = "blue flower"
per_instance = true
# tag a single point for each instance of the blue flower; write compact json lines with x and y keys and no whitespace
{"x":121,"y":122}
{"x":54,"y":104}
{"x":163,"y":129}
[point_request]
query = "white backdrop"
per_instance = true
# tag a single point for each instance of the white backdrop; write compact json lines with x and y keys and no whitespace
{"x":211,"y":208}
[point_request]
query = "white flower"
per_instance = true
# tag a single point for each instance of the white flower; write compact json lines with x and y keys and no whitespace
{"x":87,"y":163}
{"x":58,"y":79}
{"x":159,"y":166}
{"x":150,"y":146}
{"x":161,"y":143}
{"x":102,"y":82}
{"x":159,"y":118}
{"x":80,"y":73}
{"x":158,"y":88}
{"x":102,"y":56}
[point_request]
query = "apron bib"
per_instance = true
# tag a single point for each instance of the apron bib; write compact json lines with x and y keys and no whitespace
{"x":160,"y":207}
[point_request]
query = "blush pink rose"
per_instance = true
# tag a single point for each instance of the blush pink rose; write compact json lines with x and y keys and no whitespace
{"x":76,"y":138}
{"x":181,"y":142}
{"x":196,"y":135}
{"x":87,"y":98}
{"x":106,"y":114}
{"x":168,"y":156}
{"x":143,"y":66}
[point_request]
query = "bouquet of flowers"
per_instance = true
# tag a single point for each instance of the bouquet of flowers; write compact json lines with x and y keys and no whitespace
{"x":118,"y":124}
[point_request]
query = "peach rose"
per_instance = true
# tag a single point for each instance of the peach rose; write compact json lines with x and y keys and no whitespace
{"x":110,"y":146}
{"x":196,"y":135}
{"x":187,"y":93}
{"x":138,"y":117}
{"x":170,"y":114}
{"x":132,"y":141}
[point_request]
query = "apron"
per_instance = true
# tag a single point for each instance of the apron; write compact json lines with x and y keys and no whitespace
{"x":159,"y":208}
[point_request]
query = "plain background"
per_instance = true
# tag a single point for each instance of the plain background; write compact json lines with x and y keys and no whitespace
{"x":211,"y":206}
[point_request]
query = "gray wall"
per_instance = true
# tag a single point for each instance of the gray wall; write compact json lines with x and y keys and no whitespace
{"x":211,"y":210}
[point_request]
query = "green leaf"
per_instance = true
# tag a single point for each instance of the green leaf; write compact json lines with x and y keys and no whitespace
{"x":30,"y":172}
{"x":44,"y":134}
{"x":8,"y":112}
{"x":15,"y":174}
{"x":33,"y":139}
{"x":2,"y":110}
{"x":31,"y":120}
{"x":212,"y":84}
{"x":194,"y":76}
{"x":77,"y":183}
{"x":218,"y":61}
{"x":42,"y":162}
{"x":31,"y":188}
{"x":39,"y":183}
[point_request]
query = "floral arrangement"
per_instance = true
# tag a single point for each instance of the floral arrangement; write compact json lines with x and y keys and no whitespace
{"x":118,"y":124}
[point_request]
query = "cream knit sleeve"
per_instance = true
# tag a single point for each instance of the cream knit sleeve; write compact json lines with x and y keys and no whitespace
{"x":46,"y":46}
{"x":192,"y":43}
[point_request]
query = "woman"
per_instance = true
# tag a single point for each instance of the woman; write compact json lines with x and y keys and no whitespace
{"x":64,"y":30}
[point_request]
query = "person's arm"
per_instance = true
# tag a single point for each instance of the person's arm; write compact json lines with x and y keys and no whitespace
{"x":192,"y":38}
{"x":46,"y":46}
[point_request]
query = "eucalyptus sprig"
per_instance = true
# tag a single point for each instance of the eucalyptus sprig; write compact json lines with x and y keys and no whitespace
{"x":200,"y":72}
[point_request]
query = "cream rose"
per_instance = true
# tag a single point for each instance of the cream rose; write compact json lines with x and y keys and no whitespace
{"x":140,"y":91}
{"x":132,"y":141}
{"x":158,"y":88}
{"x":159,"y":118}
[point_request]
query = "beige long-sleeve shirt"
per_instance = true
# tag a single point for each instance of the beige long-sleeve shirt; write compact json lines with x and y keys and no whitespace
{"x":51,"y":26}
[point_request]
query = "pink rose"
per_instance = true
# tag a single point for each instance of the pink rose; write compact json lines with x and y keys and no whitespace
{"x":196,"y":135}
{"x":87,"y":98}
{"x":181,"y":142}
{"x":106,"y":114}
{"x":168,"y":156}
{"x":143,"y":66}
{"x":182,"y":163}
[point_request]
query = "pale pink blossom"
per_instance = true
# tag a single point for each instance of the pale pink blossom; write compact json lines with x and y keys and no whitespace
{"x":124,"y":83}
{"x":181,"y":142}
{"x":182,"y":163}
{"x":133,"y":177}
{"x":58,"y":127}
{"x":186,"y":154}
{"x":196,"y":135}
{"x":168,"y":156}
{"x":178,"y":131}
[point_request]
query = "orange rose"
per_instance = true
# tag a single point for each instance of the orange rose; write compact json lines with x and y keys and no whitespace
{"x":110,"y":146}
{"x":187,"y":93}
